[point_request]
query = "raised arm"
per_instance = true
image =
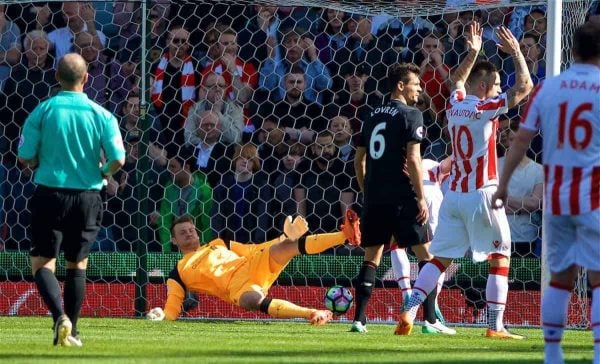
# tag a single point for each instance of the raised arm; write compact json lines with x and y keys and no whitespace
{"x":474,"y":42}
{"x":523,"y":84}
{"x":175,"y":297}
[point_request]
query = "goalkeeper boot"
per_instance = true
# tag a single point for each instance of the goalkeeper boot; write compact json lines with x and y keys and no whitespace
{"x":503,"y":334}
{"x":62,"y":330}
{"x":358,"y":326}
{"x":405,"y":324}
{"x":437,"y":328}
{"x":351,"y":227}
{"x":320,"y":317}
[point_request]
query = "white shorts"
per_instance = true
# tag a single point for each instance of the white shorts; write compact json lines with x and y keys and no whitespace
{"x":467,"y":221}
{"x":572,"y":240}
{"x":433,"y":198}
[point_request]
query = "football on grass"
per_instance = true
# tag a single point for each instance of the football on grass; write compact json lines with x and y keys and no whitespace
{"x":338,"y":299}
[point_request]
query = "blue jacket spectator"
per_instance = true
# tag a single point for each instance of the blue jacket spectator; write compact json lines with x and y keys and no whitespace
{"x":296,"y":48}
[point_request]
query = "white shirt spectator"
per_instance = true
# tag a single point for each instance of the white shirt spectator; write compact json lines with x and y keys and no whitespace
{"x":524,"y":227}
{"x":63,"y":41}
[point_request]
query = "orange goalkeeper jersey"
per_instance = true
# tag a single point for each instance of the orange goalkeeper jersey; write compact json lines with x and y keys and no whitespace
{"x":208,"y":270}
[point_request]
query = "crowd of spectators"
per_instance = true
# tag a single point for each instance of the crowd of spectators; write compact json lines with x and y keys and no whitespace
{"x":254,"y":110}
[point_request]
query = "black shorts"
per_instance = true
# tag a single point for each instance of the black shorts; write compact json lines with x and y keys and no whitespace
{"x":64,"y":218}
{"x":380,"y":222}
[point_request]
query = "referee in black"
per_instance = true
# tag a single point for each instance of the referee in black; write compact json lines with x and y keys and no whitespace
{"x":63,"y":139}
{"x":394,"y":204}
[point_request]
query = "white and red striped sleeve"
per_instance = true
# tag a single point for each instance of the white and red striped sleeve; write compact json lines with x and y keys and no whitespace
{"x":531,"y":117}
{"x":493,"y":106}
{"x":458,"y":95}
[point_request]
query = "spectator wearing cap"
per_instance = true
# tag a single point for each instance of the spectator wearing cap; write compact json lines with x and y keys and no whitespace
{"x":300,"y":53}
{"x":298,"y":116}
{"x":333,"y":36}
{"x":364,"y":47}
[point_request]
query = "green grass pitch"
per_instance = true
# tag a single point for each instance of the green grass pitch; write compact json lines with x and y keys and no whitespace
{"x":28,"y":340}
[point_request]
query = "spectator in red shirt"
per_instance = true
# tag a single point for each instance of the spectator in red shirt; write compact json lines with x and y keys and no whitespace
{"x":434,"y":73}
{"x":241,"y":77}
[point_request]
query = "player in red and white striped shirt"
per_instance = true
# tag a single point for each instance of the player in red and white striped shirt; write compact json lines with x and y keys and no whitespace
{"x":566,"y":109}
{"x":466,"y":218}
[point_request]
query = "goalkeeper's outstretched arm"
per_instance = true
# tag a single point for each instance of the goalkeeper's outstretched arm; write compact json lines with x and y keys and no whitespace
{"x":175,"y":297}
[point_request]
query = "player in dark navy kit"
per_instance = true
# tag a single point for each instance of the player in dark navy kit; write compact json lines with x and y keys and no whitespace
{"x":394,"y":201}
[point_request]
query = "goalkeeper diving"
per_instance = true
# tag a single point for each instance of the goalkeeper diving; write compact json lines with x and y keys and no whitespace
{"x":242,"y":274}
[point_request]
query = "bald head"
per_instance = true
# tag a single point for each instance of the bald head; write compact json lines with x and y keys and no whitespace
{"x":72,"y":70}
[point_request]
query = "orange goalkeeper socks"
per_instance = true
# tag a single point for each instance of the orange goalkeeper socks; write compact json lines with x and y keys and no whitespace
{"x":285,"y":309}
{"x":314,"y":244}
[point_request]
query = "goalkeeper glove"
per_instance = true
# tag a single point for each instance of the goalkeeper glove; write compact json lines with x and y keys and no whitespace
{"x":155,"y":314}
